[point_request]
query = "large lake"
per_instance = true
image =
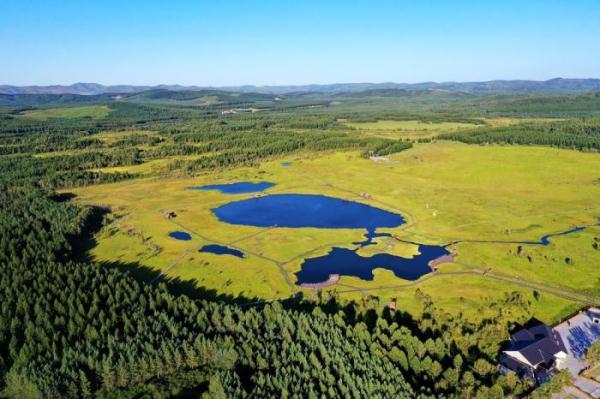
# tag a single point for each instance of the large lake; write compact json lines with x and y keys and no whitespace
{"x":306,"y":210}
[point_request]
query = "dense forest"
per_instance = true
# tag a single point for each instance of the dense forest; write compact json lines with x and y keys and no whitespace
{"x":583,"y":135}
{"x":72,"y":328}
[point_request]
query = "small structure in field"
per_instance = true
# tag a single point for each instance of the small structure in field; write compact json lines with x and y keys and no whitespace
{"x":376,"y":158}
{"x":392,"y":305}
{"x":169,"y":214}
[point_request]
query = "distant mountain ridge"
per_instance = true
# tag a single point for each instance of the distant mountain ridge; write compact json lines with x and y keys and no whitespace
{"x":557,"y":85}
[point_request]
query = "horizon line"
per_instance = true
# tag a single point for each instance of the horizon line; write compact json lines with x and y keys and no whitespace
{"x":298,"y":84}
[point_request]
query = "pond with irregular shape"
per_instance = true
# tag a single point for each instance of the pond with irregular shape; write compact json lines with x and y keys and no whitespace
{"x":347,"y":262}
{"x":306,"y":210}
{"x":236,"y":188}
{"x":320,"y":211}
{"x":180,"y":235}
{"x":221,"y":250}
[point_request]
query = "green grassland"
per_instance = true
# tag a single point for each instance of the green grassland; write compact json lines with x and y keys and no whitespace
{"x":86,"y":111}
{"x":408,"y":128}
{"x":423,"y":129}
{"x":446,"y":191}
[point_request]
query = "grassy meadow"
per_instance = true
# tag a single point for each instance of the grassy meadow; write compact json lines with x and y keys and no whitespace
{"x":446,"y":191}
{"x":413,"y":129}
{"x":84,"y":111}
{"x":422,"y":129}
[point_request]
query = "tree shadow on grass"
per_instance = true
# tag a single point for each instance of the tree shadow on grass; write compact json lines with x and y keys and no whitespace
{"x":176,"y":285}
{"x":84,"y":242}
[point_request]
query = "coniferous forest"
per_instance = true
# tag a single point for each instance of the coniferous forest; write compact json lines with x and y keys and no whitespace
{"x":74,"y":328}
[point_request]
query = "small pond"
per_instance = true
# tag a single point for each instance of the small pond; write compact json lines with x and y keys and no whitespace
{"x":221,"y":250}
{"x":180,"y":235}
{"x":286,"y":164}
{"x":236,"y":188}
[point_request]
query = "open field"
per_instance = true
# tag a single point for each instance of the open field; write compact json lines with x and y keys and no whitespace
{"x":418,"y":129}
{"x":408,"y":129}
{"x":112,"y":137}
{"x":446,"y":191}
{"x":85,"y":111}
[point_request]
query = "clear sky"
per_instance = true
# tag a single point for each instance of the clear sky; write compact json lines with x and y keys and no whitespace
{"x":295,"y":42}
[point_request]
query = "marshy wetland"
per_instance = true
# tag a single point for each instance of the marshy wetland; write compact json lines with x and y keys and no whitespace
{"x":412,"y":205}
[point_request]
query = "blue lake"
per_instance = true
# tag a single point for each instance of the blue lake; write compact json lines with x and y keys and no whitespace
{"x":347,"y":262}
{"x":236,"y":188}
{"x":180,"y":235}
{"x":286,"y":164}
{"x":221,"y":250}
{"x":306,"y":210}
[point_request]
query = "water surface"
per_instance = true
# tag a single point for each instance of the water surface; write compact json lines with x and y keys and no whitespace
{"x":236,"y":188}
{"x":347,"y":262}
{"x":180,"y":235}
{"x":222,"y":250}
{"x":306,"y":210}
{"x":544,"y":240}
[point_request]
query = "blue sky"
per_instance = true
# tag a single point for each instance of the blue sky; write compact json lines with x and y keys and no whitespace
{"x":295,"y":42}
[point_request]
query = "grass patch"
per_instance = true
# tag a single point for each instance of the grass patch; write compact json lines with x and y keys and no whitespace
{"x":86,"y":111}
{"x":408,"y":129}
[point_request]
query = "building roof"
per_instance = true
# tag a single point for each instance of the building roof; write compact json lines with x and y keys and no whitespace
{"x":535,"y":345}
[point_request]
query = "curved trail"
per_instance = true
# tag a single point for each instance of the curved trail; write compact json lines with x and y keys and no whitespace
{"x":278,"y":264}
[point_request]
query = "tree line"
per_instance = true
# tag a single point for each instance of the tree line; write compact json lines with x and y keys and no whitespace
{"x":583,"y":135}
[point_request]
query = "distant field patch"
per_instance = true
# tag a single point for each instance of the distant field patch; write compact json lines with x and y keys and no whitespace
{"x":208,"y":100}
{"x":111,"y":136}
{"x":86,"y":111}
{"x":515,"y":121}
{"x":409,"y":128}
{"x":409,"y":125}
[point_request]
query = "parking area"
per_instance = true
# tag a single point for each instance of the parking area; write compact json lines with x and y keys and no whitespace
{"x":579,"y":333}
